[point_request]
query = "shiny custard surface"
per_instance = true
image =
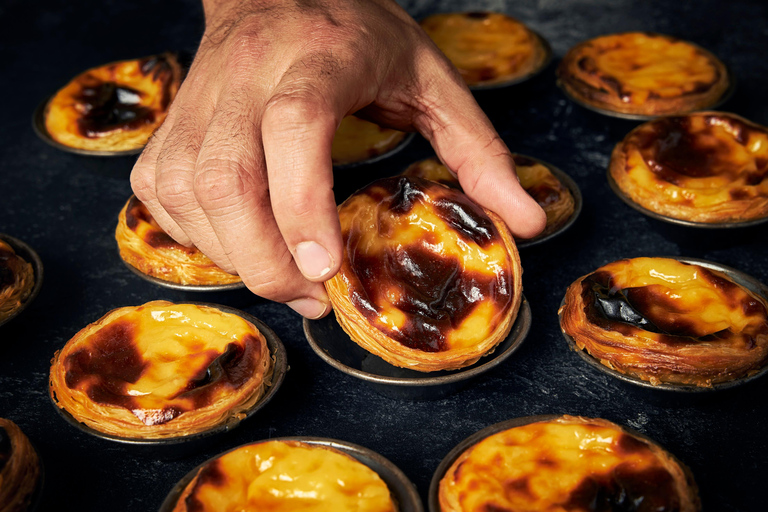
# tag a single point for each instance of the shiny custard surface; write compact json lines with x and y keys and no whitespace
{"x":668,"y":321}
{"x":486,"y":47}
{"x":357,"y":140}
{"x":144,"y":245}
{"x":573,"y":464}
{"x":630,"y":70}
{"x":16,"y":280}
{"x":424,"y":264}
{"x":286,"y":476}
{"x":116,"y":105}
{"x":160,"y":369}
{"x":708,"y":166}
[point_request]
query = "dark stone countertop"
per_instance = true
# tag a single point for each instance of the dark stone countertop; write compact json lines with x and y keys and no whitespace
{"x":65,"y":206}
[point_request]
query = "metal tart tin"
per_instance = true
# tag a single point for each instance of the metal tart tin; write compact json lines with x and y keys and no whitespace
{"x":334,"y":346}
{"x":748,"y":282}
{"x":402,"y":144}
{"x":184,"y":287}
{"x":30,"y":256}
{"x":519,"y":80}
{"x":403,"y":491}
{"x":680,"y":222}
{"x":645,"y":117}
{"x":183,"y":445}
{"x":578,"y":202}
{"x":38,"y":124}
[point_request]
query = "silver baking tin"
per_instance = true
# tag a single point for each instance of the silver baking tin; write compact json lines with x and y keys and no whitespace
{"x":38,"y":124}
{"x":403,"y":143}
{"x":30,"y":256}
{"x":578,"y":202}
{"x":680,"y":222}
{"x":402,"y":490}
{"x":184,"y":287}
{"x":535,"y":72}
{"x":644,"y":117}
{"x":334,"y":346}
{"x":280,"y":359}
{"x":748,"y":282}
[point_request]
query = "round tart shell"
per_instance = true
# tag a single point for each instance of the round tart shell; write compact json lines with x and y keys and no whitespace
{"x":643,"y":74}
{"x":17,"y":281}
{"x":358,"y":141}
{"x":20,"y":471}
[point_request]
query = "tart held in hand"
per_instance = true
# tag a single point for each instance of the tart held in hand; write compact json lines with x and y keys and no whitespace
{"x":429,"y":280}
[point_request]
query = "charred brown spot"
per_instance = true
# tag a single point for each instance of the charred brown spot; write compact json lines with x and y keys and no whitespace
{"x":492,"y":507}
{"x":135,"y":212}
{"x":477,"y":15}
{"x":518,"y":486}
{"x":485,"y":73}
{"x":210,"y":475}
{"x":628,"y":444}
{"x":738,"y":194}
{"x":160,"y":239}
{"x":544,"y":194}
{"x":107,"y":106}
{"x":524,"y":161}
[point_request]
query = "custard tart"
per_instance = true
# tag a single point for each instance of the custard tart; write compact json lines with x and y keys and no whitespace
{"x":114,"y":107}
{"x":536,"y":178}
{"x":162,"y":370}
{"x":706,"y":167}
{"x":429,"y":280}
{"x":644,"y":74}
{"x":487,"y":48}
{"x":282,"y":475}
{"x":567,"y":463}
{"x":665,"y":321}
{"x":146,"y":247}
{"x":357,"y":140}
{"x":17,"y":280}
{"x":19,"y":469}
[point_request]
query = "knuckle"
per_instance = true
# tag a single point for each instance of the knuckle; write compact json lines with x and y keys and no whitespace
{"x":142,"y":184}
{"x":218,"y":181}
{"x":174,"y":192}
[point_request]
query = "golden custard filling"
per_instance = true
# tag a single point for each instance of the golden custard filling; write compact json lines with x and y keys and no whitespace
{"x":161,"y":370}
{"x":286,"y":476}
{"x":16,"y":280}
{"x":145,"y":246}
{"x":663,"y":320}
{"x":357,"y":140}
{"x":706,"y":167}
{"x":570,"y":463}
{"x":116,"y":106}
{"x":486,"y":47}
{"x":425,"y":271}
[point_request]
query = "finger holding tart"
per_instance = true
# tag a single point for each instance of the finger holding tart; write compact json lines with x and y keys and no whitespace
{"x":17,"y":281}
{"x":284,"y":475}
{"x":487,"y":48}
{"x":114,"y":107}
{"x":665,"y":321}
{"x":357,"y":140}
{"x":162,"y":370}
{"x":567,"y":463}
{"x":19,"y":469}
{"x":429,"y":280}
{"x":643,"y":74}
{"x":705,"y":167}
{"x":146,"y":247}
{"x":536,"y":178}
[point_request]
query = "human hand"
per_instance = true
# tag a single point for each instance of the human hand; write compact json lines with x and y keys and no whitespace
{"x":241,"y":168}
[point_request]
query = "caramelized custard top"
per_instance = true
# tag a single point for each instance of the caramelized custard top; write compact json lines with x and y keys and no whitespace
{"x":560,"y":465}
{"x":673,"y":302}
{"x":161,"y":359}
{"x":424,"y":264}
{"x":286,"y":476}
{"x":140,"y":221}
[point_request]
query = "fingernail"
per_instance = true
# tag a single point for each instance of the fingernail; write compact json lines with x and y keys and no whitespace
{"x":308,"y":307}
{"x":313,"y":260}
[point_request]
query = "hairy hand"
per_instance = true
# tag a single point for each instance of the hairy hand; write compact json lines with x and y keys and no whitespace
{"x":241,"y":168}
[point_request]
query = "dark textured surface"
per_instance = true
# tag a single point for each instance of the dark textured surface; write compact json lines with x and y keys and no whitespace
{"x":65,"y":206}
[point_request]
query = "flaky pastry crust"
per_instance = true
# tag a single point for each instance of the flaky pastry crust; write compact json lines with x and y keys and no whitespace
{"x":554,"y":197}
{"x":487,"y":47}
{"x":161,"y":370}
{"x":19,"y":468}
{"x":568,"y":463}
{"x":144,"y":245}
{"x":114,"y":107}
{"x":285,"y":476}
{"x":429,"y":280}
{"x":709,"y":167}
{"x":665,"y":321}
{"x":643,"y":74}
{"x":357,"y":140}
{"x":17,"y":279}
